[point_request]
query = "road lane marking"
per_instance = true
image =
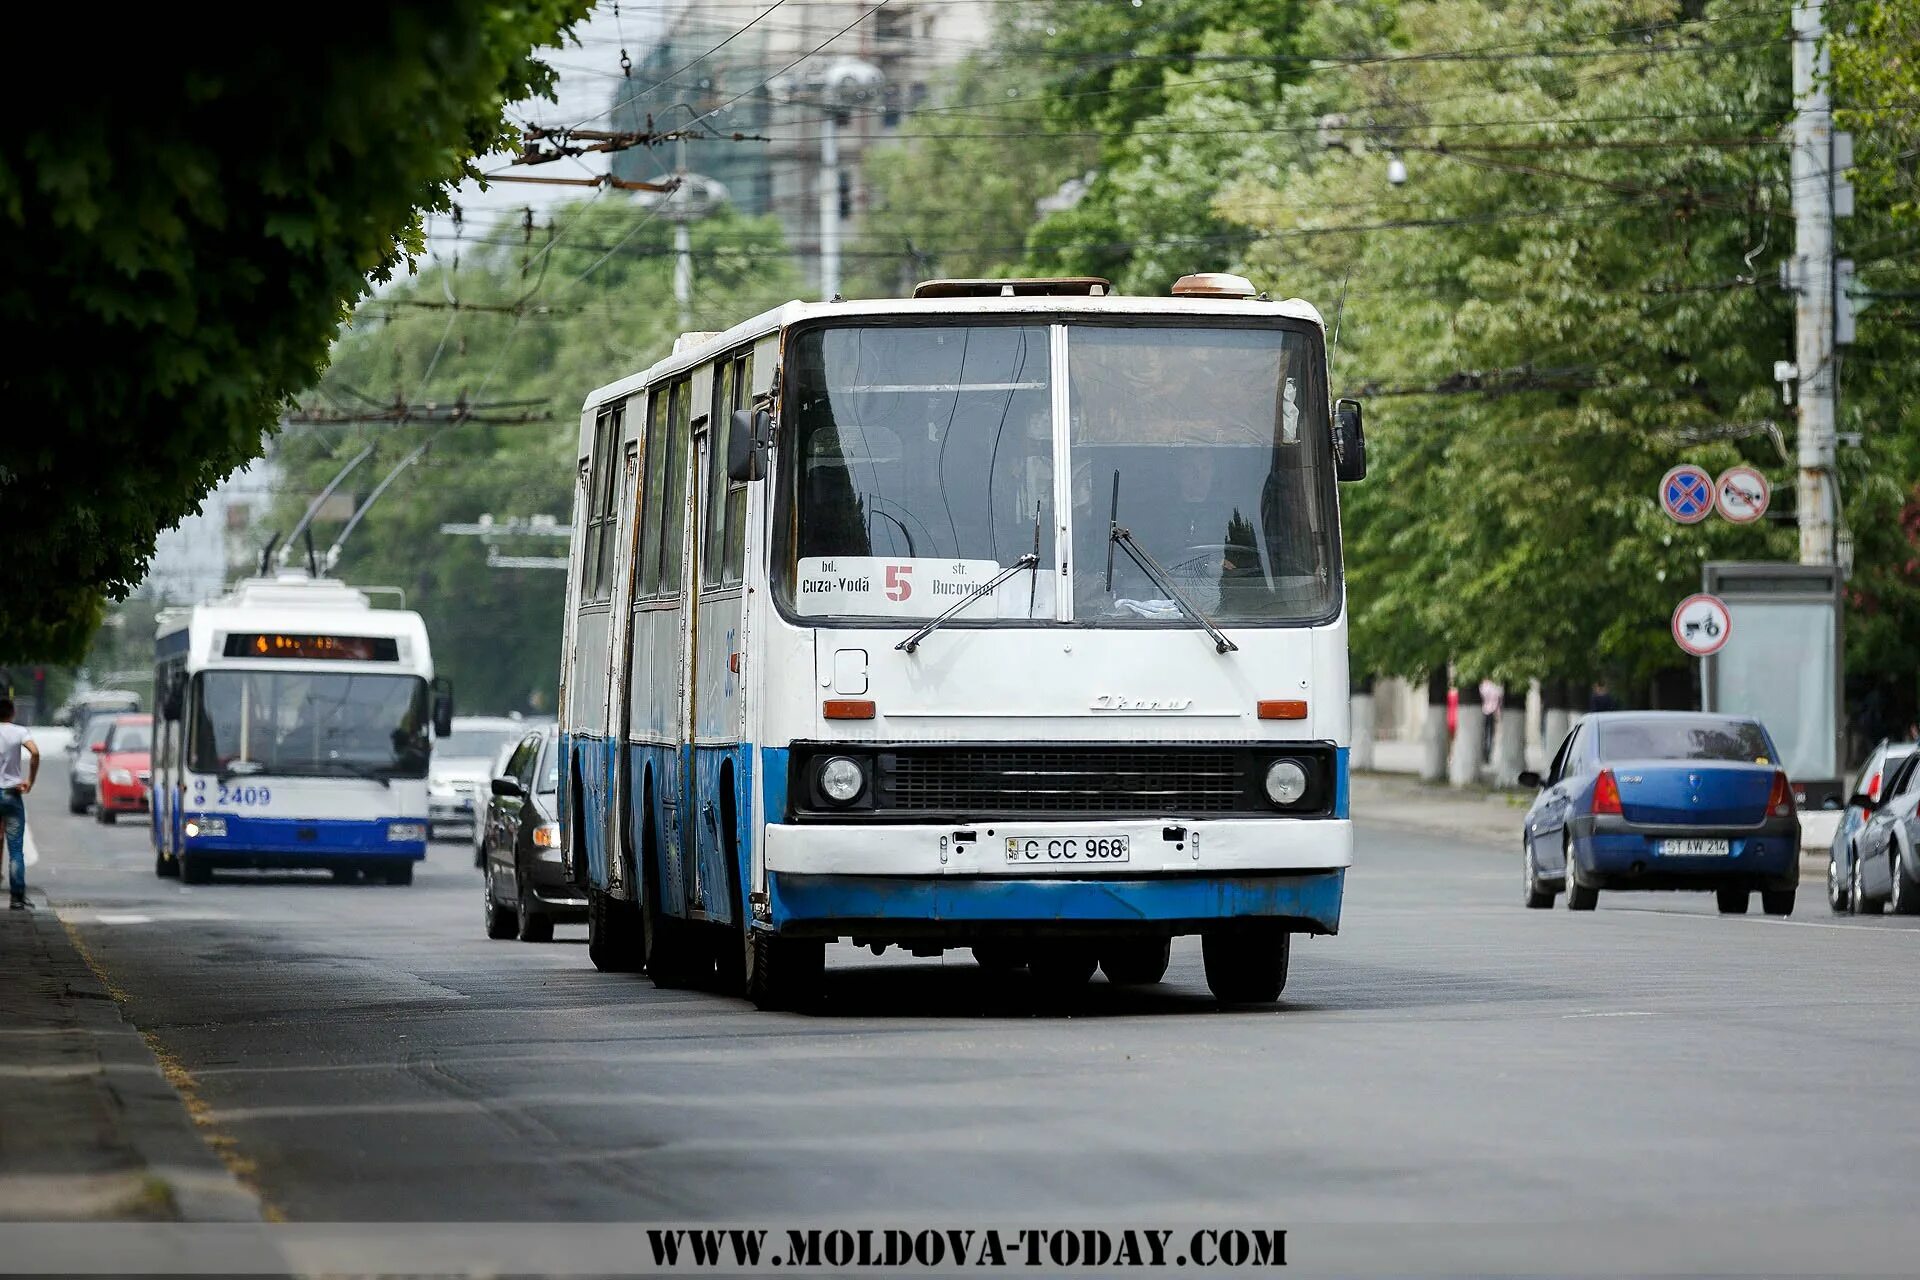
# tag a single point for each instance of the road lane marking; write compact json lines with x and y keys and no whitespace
{"x":1863,"y":926}
{"x":1613,"y":1013}
{"x":121,"y":917}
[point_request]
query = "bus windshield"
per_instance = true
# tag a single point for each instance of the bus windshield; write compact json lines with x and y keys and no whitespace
{"x":921,"y":461}
{"x":1208,"y":446}
{"x":922,"y":464}
{"x":310,"y":724}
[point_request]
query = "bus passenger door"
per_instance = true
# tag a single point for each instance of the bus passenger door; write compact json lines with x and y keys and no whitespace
{"x":619,"y":669}
{"x":713,"y":684}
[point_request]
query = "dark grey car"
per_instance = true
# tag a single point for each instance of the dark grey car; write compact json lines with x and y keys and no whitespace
{"x":525,"y":885}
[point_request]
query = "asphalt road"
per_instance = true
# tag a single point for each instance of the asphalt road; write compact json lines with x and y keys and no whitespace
{"x":1449,"y":1057}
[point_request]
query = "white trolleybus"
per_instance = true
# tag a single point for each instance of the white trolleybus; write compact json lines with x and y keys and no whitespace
{"x":1009,"y":616}
{"x":292,"y":731}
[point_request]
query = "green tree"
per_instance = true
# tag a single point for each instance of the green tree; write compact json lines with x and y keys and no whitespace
{"x":590,"y":305}
{"x":181,"y":244}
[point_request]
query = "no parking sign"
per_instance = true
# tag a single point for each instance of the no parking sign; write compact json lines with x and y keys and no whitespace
{"x":1686,"y":494}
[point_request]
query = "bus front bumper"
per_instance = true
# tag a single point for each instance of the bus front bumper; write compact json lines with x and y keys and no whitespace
{"x":1176,"y":877}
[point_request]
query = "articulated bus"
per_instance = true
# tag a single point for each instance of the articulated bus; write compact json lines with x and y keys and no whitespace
{"x":292,"y":731}
{"x":1007,"y":617}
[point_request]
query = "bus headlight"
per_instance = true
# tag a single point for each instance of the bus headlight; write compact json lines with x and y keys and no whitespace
{"x":407,"y":831}
{"x":1286,"y":782}
{"x":197,"y":827}
{"x":841,"y":779}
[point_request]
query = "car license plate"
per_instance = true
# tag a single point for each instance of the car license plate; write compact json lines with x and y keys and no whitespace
{"x":1065,"y":850}
{"x":1694,"y":848}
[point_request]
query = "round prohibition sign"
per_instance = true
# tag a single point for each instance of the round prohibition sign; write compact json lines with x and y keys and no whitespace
{"x":1741,"y":494}
{"x":1702,"y":624}
{"x":1686,"y":494}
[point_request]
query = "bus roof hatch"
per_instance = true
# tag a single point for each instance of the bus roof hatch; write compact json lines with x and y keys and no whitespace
{"x":1049,"y":286}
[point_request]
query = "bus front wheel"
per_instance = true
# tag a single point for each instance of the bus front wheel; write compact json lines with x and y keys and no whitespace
{"x":1246,"y":966}
{"x":785,"y":973}
{"x":194,"y":870}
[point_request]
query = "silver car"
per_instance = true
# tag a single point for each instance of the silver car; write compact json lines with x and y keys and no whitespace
{"x":83,"y":772}
{"x":1869,"y":788}
{"x":1886,"y":861}
{"x":462,"y":770}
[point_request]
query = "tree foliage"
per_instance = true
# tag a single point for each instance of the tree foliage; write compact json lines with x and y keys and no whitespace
{"x":1575,"y":289}
{"x":180,"y":246}
{"x":591,"y":304}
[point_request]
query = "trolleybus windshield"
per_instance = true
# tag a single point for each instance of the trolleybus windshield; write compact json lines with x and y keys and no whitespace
{"x":309,"y":723}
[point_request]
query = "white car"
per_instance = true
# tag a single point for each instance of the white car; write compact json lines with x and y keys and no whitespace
{"x":461,"y":771}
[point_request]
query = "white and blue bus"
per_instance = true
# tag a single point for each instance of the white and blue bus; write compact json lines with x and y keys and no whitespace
{"x":292,"y":730}
{"x":1009,"y":617}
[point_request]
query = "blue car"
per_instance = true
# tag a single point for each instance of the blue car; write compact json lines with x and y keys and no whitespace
{"x":1663,"y":800}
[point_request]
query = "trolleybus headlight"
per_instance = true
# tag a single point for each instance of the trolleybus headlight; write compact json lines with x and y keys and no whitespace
{"x":407,"y":831}
{"x":841,"y":779}
{"x":196,"y":827}
{"x":1286,"y":782}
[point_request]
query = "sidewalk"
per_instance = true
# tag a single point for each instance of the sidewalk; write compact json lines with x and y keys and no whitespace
{"x":90,"y":1128}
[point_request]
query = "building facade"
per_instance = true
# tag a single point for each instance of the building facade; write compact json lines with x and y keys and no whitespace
{"x":770,"y":80}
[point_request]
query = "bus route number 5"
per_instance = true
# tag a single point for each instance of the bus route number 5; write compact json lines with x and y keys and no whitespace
{"x":898,"y":588}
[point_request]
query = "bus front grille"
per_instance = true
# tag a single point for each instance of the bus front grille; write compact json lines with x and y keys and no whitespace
{"x":1115,"y":781}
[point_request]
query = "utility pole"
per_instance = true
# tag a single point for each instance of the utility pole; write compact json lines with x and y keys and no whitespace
{"x":682,"y":243}
{"x":848,"y":82}
{"x":830,"y":205}
{"x":1813,"y":275}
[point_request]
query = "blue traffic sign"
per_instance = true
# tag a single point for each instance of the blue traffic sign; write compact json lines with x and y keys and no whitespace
{"x":1686,"y":494}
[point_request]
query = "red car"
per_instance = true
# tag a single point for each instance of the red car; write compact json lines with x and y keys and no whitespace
{"x":126,"y":771}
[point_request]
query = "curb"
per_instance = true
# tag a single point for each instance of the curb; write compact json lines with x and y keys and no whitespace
{"x":149,"y":1113}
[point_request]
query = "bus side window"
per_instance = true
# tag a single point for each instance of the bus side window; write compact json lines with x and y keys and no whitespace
{"x":736,"y":524}
{"x":649,"y":524}
{"x":601,"y":516}
{"x":673,"y":510}
{"x":713,"y":544}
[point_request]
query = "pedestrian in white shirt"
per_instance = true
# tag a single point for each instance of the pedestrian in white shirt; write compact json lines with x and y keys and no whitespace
{"x":14,"y":785}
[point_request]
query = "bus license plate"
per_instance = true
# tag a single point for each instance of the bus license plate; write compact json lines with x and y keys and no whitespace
{"x":1694,"y":848}
{"x":1066,"y":850}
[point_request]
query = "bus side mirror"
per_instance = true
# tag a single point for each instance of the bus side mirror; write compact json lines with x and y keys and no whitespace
{"x":1349,"y":442}
{"x":747,"y":444}
{"x":442,"y":706}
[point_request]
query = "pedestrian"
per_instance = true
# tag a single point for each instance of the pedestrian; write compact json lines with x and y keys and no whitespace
{"x":1490,"y":695}
{"x":1601,"y":699}
{"x":13,"y":802}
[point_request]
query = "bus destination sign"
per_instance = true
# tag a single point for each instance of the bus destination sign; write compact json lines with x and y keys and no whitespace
{"x":274,"y":644}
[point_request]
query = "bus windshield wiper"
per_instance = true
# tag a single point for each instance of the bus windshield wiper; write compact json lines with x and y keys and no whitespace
{"x":1117,"y":536}
{"x":987,"y":588}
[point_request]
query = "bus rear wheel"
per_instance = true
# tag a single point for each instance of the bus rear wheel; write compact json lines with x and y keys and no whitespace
{"x":785,"y":973}
{"x":1246,"y":967}
{"x":616,"y":934}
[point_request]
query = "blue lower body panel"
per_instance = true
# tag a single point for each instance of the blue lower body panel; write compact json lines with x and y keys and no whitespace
{"x":298,"y":840}
{"x":1309,"y":902}
{"x":1629,"y":860}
